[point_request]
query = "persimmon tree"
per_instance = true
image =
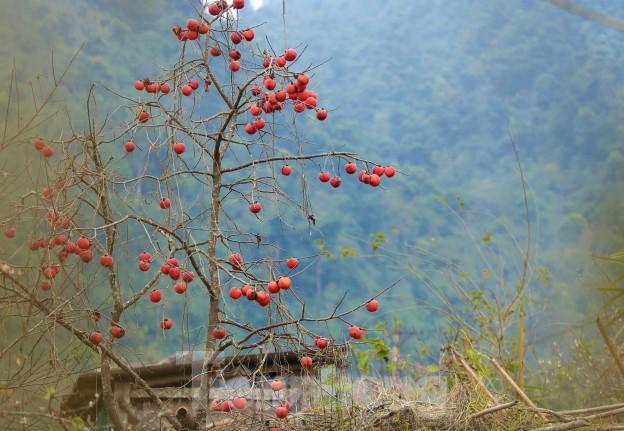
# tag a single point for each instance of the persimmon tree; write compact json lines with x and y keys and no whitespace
{"x":169,"y":189}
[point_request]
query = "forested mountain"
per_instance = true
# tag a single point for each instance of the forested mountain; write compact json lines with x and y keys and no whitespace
{"x":436,"y":88}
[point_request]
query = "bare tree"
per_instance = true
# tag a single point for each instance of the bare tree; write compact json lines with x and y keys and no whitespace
{"x":216,"y":135}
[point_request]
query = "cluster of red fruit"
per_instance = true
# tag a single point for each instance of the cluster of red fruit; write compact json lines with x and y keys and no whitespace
{"x":372,"y":178}
{"x":193,"y":29}
{"x":218,"y":7}
{"x":262,"y":297}
{"x":152,"y":87}
{"x":80,"y":248}
{"x":41,"y":146}
{"x":193,"y":85}
{"x":219,"y":405}
{"x":273,"y":100}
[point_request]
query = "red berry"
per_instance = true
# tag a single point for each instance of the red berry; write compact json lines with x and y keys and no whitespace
{"x":277,"y":385}
{"x":139,"y":85}
{"x":165,"y":203}
{"x":174,"y":273}
{"x":306,"y":362}
{"x":324,"y":176}
{"x":238,"y":4}
{"x":269,"y":83}
{"x":321,"y":342}
{"x":266,"y":62}
{"x":180,"y":288}
{"x":165,"y":88}
{"x":83,"y":243}
{"x":234,"y":65}
{"x":239,"y":402}
{"x":281,"y":412}
{"x":290,"y":54}
{"x":179,"y":147}
{"x":218,"y":333}
{"x":281,"y":95}
{"x":263,"y":298}
{"x":273,"y":287}
{"x":292,"y":262}
{"x":106,"y":261}
{"x":321,"y":114}
{"x":248,"y":34}
{"x":280,"y":61}
{"x":40,"y":144}
{"x":235,"y":292}
{"x":251,"y":294}
{"x":374,"y":180}
{"x":192,"y":24}
{"x":303,"y":79}
{"x":155,"y":295}
{"x":117,"y":331}
{"x":129,"y":146}
{"x":236,"y":260}
{"x":259,"y":123}
{"x":255,"y":110}
{"x":166,"y":324}
{"x":60,"y":239}
{"x":255,"y":207}
{"x":350,"y":168}
{"x":70,"y":247}
{"x":284,"y":283}
{"x":172,"y":261}
{"x":364,"y":177}
{"x":86,"y":256}
{"x":234,"y":54}
{"x":299,"y":106}
{"x":96,"y":337}
{"x":194,"y":83}
{"x":372,"y":305}
{"x":236,"y":37}
{"x":310,"y":103}
{"x":144,"y":265}
{"x":215,"y":8}
{"x":250,"y":128}
{"x":10,"y":232}
{"x":378,"y":170}
{"x":335,"y":182}
{"x":355,"y":332}
{"x":215,"y":51}
{"x":146,"y":256}
{"x":187,"y":90}
{"x":188,"y":276}
{"x":45,"y":285}
{"x":153,"y":87}
{"x":47,"y":152}
{"x":389,"y":171}
{"x":256,"y":90}
{"x":143,"y":116}
{"x":203,"y":28}
{"x":286,"y":170}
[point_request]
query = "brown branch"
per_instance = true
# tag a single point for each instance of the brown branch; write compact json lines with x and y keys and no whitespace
{"x":588,"y":13}
{"x":492,"y":410}
{"x":516,"y":388}
{"x":610,"y":345}
{"x":282,"y":158}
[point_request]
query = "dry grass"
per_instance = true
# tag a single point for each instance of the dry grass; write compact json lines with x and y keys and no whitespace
{"x":397,"y":408}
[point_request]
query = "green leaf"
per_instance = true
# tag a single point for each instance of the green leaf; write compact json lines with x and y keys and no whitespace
{"x":487,"y":237}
